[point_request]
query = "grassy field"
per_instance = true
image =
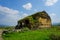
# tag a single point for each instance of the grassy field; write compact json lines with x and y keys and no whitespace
{"x":42,"y":34}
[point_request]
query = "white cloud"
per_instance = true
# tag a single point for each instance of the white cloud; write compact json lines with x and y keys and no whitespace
{"x":8,"y":10}
{"x":25,"y":14}
{"x":52,"y":14}
{"x":35,"y":10}
{"x":50,"y":2}
{"x":55,"y":18}
{"x":11,"y":16}
{"x":27,"y":6}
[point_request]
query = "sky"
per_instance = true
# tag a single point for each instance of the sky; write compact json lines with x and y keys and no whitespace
{"x":13,"y":10}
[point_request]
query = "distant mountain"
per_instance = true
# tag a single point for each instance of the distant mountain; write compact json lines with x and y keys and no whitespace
{"x":1,"y":25}
{"x":56,"y":24}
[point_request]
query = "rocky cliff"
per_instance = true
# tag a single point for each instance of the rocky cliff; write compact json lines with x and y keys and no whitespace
{"x":35,"y":21}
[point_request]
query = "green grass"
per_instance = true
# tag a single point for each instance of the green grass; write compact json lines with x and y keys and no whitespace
{"x":42,"y":34}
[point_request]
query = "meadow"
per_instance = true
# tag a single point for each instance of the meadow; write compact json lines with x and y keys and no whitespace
{"x":40,"y":34}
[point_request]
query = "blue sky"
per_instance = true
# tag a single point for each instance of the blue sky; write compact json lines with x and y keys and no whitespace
{"x":13,"y":10}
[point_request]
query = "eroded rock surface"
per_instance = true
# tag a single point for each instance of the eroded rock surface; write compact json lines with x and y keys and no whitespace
{"x":35,"y":21}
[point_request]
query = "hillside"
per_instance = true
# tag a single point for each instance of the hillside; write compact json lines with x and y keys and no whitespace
{"x":41,"y":34}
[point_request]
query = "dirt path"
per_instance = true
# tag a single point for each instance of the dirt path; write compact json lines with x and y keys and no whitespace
{"x":1,"y":34}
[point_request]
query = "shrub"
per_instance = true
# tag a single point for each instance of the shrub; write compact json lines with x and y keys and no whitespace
{"x":54,"y":37}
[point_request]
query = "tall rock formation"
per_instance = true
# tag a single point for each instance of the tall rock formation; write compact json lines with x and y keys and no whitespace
{"x":35,"y":21}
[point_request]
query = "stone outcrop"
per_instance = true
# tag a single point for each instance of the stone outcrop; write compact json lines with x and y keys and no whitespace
{"x":35,"y":21}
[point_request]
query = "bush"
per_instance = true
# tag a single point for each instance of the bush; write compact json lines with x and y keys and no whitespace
{"x":5,"y":32}
{"x":25,"y":29}
{"x":54,"y":37}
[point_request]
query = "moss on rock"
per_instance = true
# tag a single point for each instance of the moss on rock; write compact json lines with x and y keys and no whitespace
{"x":35,"y":21}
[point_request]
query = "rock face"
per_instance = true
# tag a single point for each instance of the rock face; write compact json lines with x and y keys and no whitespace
{"x":35,"y":21}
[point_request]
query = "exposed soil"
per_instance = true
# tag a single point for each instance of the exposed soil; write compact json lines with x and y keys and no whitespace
{"x":1,"y":34}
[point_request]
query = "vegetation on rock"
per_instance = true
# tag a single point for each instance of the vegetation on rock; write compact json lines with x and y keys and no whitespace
{"x":35,"y":21}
